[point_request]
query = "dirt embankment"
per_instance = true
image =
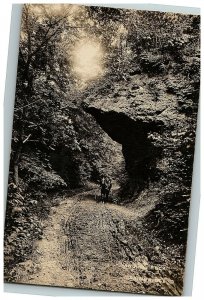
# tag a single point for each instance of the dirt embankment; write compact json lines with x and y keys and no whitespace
{"x":87,"y":244}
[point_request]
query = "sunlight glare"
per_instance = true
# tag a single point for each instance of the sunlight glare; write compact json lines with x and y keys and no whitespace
{"x":87,"y":60}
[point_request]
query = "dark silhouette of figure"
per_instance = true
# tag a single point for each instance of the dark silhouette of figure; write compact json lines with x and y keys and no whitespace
{"x":105,"y":188}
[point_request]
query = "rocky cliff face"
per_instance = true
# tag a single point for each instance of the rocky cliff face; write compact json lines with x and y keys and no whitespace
{"x":153,"y":117}
{"x":119,"y":119}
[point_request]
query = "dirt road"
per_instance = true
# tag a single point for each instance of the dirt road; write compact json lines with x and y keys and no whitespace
{"x":87,"y":244}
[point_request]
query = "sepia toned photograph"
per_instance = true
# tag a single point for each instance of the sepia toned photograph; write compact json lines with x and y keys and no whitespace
{"x":102,"y":150}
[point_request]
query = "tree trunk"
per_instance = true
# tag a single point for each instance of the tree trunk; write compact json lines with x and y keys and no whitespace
{"x":15,"y":174}
{"x":16,"y":163}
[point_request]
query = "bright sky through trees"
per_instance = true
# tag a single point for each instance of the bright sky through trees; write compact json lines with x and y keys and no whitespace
{"x":87,"y":60}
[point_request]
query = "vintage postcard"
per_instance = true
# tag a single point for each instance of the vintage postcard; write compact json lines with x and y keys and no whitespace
{"x":102,"y":148}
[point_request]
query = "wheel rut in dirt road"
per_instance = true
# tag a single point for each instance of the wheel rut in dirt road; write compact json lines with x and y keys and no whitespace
{"x":91,"y":245}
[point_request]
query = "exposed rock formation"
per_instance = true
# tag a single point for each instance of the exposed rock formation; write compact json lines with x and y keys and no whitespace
{"x":157,"y":136}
